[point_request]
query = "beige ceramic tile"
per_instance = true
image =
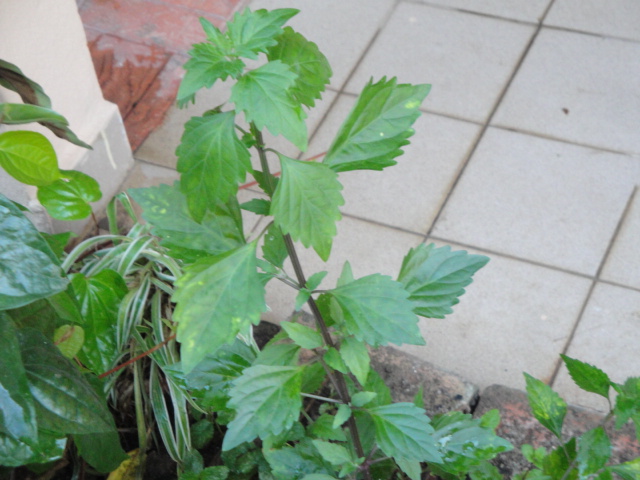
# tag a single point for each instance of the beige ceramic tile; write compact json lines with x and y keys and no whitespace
{"x":615,"y":18}
{"x":539,"y":200}
{"x":467,"y":58}
{"x":579,"y":88}
{"x":407,"y":195}
{"x":522,"y":10}
{"x":514,"y":317}
{"x":608,"y":337}
{"x":623,"y":263}
{"x":341,"y":29}
{"x":367,"y":247}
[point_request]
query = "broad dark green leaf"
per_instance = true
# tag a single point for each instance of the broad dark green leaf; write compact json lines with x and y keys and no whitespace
{"x":265,"y":97}
{"x":253,"y":32}
{"x":306,"y":204}
{"x":628,"y":470}
{"x":628,"y":403}
{"x":212,"y":161}
{"x":594,"y":450}
{"x":305,"y":60}
{"x":436,"y":277}
{"x":356,"y":358}
{"x":546,"y":405}
{"x":202,"y":432}
{"x":376,"y":310}
{"x":101,"y":450}
{"x":69,"y":197}
{"x":165,"y":208}
{"x":403,"y":430}
{"x":64,"y":401}
{"x":99,"y":296}
{"x":17,"y":409}
{"x":304,"y":336}
{"x":216,"y":298}
{"x":274,"y":249}
{"x":209,"y":382}
{"x":29,"y":270}
{"x":14,"y":453}
{"x":293,"y":463}
{"x":58,"y":241}
{"x":29,"y":157}
{"x":377,"y":127}
{"x":560,"y":462}
{"x":267,"y":400}
{"x":588,"y":377}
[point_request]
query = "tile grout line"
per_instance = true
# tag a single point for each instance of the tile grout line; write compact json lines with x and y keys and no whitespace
{"x":594,"y":282}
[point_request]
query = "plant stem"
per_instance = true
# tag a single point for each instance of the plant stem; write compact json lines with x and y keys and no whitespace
{"x":341,"y":384}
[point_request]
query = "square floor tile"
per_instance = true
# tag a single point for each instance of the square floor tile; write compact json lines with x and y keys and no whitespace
{"x":341,"y":29}
{"x":539,"y":200}
{"x":579,"y":88}
{"x":623,"y":263}
{"x":467,"y":58}
{"x":515,"y":317}
{"x":407,"y":195}
{"x":369,"y":248}
{"x":615,"y":18}
{"x":608,"y":337}
{"x":523,"y":10}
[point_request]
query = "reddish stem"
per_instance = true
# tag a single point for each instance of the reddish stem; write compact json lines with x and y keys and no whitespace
{"x":135,"y":359}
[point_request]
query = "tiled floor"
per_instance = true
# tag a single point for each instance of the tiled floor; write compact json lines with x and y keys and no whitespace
{"x":528,"y":151}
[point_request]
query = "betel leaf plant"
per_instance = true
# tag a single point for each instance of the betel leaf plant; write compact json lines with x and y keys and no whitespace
{"x":308,"y":405}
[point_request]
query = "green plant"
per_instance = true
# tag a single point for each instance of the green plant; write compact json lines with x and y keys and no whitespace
{"x":586,"y":456}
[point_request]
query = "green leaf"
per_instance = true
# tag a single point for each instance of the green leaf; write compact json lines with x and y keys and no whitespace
{"x":253,"y":32}
{"x":323,"y":428}
{"x":267,"y":400}
{"x":334,"y":360}
{"x":561,"y":460}
{"x":29,"y":157}
{"x":361,"y":399}
{"x":29,"y":270}
{"x":304,"y":336}
{"x":99,"y":296}
{"x":411,"y":468}
{"x":546,"y":405}
{"x":628,"y":403}
{"x":302,"y":297}
{"x":210,"y":380}
{"x":279,"y":354}
{"x":216,"y":298}
{"x":69,"y":339}
{"x":274,"y":248}
{"x":594,"y":450}
{"x":377,"y":127}
{"x":306,"y":61}
{"x":69,"y":197}
{"x":306,"y":204}
{"x":313,"y":377}
{"x":356,"y":358}
{"x":535,"y":456}
{"x":165,"y":208}
{"x":14,"y":453}
{"x":628,"y":470}
{"x":212,"y":161}
{"x":588,"y":377}
{"x":318,"y":476}
{"x":315,"y":280}
{"x":403,"y":430}
{"x":64,"y":401}
{"x":11,"y":77}
{"x":17,"y":408}
{"x":259,"y":206}
{"x":490,"y":419}
{"x":201,"y":433}
{"x":342,"y":415}
{"x":101,"y":450}
{"x":377,"y":310}
{"x":293,"y":463}
{"x":436,"y":277}
{"x":264,"y":95}
{"x":332,"y":452}
{"x":485,"y":471}
{"x":58,"y":241}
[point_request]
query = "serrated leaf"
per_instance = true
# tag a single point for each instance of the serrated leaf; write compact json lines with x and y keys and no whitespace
{"x":265,"y":98}
{"x":490,"y":419}
{"x":628,"y":403}
{"x":546,"y":405}
{"x":267,"y":400}
{"x":302,"y":335}
{"x":29,"y":270}
{"x":560,"y":460}
{"x":323,"y":428}
{"x":216,"y":298}
{"x":334,"y":360}
{"x":627,"y":470}
{"x":99,"y":297}
{"x":594,"y":450}
{"x":403,"y":430}
{"x":212,"y":161}
{"x":253,"y":32}
{"x":356,"y":358}
{"x":69,"y":197}
{"x":332,"y":452}
{"x":165,"y":208}
{"x":485,"y":471}
{"x":361,"y":399}
{"x":69,"y":339}
{"x":342,"y":415}
{"x":306,"y":61}
{"x":279,"y":354}
{"x":274,"y":248}
{"x":29,"y":157}
{"x":259,"y":206}
{"x":535,"y":456}
{"x":377,"y":310}
{"x":588,"y":377}
{"x":306,"y":204}
{"x":436,"y":277}
{"x":377,"y":127}
{"x":315,"y":280}
{"x":64,"y":401}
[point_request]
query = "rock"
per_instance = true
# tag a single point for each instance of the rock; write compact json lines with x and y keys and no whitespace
{"x":519,"y":426}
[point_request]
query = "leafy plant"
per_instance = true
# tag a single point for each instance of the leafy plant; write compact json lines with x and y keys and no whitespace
{"x":588,"y":455}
